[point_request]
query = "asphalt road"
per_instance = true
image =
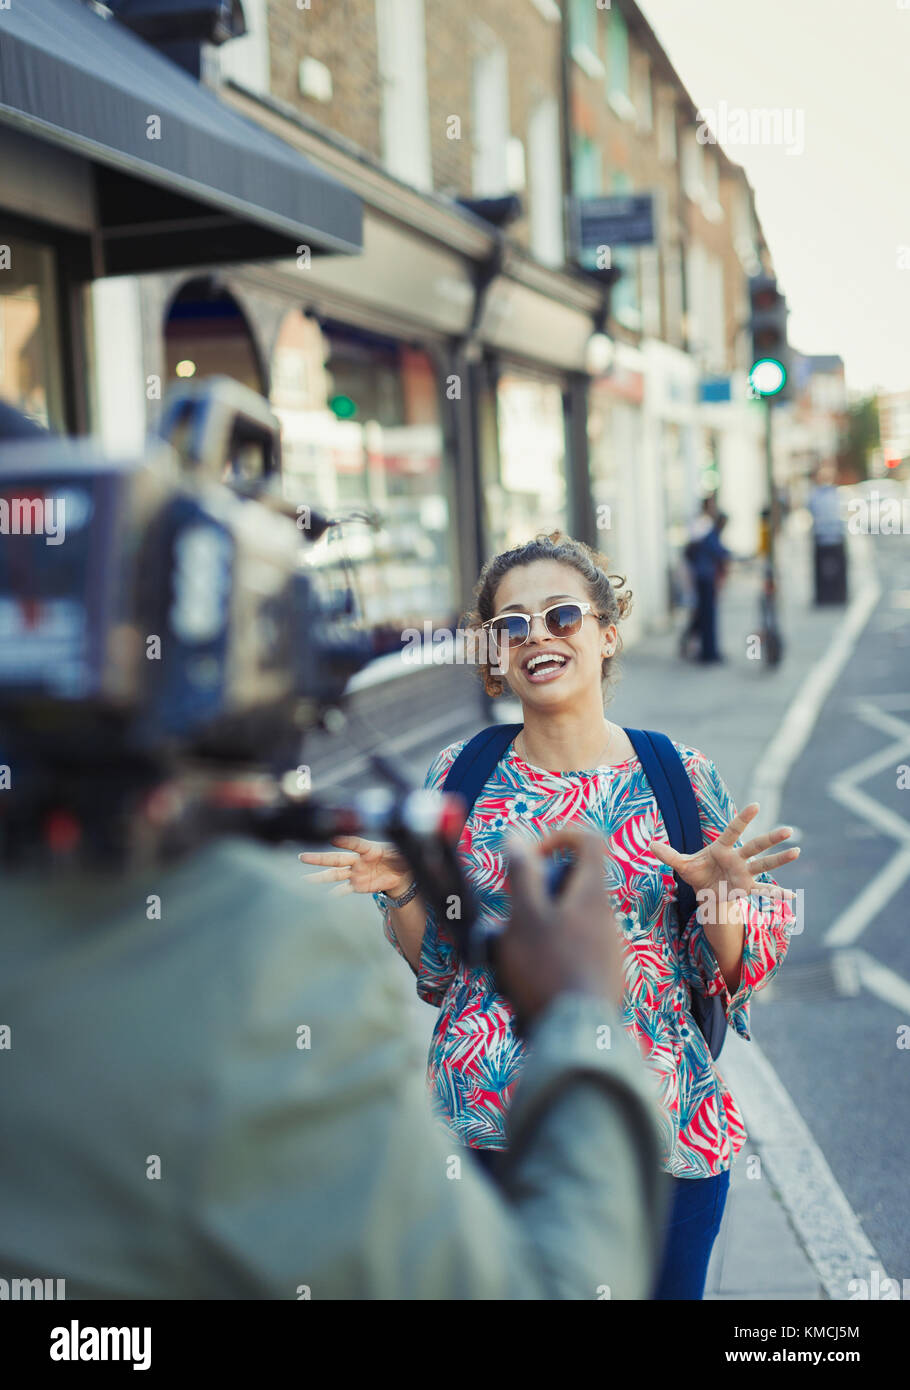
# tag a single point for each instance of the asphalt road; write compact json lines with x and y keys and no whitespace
{"x":830,"y":1024}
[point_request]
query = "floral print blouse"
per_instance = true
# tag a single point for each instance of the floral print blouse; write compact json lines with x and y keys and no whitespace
{"x":475,"y":1056}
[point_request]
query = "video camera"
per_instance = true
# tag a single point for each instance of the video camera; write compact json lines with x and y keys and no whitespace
{"x":162,"y":640}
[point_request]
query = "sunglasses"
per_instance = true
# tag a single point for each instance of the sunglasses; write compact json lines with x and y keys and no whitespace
{"x":560,"y":620}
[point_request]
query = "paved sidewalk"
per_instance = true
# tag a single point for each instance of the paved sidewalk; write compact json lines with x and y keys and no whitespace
{"x":730,"y":711}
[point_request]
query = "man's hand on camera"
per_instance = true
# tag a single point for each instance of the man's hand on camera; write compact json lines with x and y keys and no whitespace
{"x":553,"y":945}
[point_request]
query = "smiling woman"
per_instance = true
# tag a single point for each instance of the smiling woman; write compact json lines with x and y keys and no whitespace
{"x":552,"y":610}
{"x":591,"y":591}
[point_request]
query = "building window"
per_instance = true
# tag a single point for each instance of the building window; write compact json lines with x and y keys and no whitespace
{"x":586,"y":167}
{"x":674,"y":307}
{"x":693,"y":179}
{"x":246,"y":60}
{"x":30,"y":352}
{"x":490,"y":122}
{"x":715,"y":319}
{"x":711,"y":204}
{"x":527,"y":493}
{"x":625,"y":304}
{"x":745,"y":236}
{"x":403,"y":75}
{"x":649,"y":261}
{"x":583,"y":37}
{"x":641,"y":97}
{"x":361,"y":431}
{"x":618,"y":92}
{"x":666,"y":130}
{"x":706,"y":318}
{"x":549,"y":9}
{"x":547,"y":241}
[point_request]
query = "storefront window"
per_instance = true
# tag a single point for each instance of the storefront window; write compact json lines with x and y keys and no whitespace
{"x":361,"y":433}
{"x":30,"y":360}
{"x":528,"y":493}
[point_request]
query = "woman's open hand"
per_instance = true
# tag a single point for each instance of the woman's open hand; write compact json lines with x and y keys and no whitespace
{"x":727,"y":871}
{"x":362,"y":866}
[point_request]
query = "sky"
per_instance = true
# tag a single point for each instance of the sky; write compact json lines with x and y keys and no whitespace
{"x":835,"y":213}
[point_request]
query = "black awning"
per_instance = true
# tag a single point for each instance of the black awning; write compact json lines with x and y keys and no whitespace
{"x":213,"y":188}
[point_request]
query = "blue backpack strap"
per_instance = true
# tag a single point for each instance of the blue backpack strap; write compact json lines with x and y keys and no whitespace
{"x":474,"y":765}
{"x":666,"y":772}
{"x":670,"y":783}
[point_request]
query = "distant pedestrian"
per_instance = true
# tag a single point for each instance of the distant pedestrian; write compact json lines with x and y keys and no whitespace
{"x":708,"y":560}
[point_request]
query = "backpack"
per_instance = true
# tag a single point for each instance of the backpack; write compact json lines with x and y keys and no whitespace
{"x":676,"y":802}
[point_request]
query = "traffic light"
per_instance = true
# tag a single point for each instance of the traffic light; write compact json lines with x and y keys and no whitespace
{"x":768,"y":330}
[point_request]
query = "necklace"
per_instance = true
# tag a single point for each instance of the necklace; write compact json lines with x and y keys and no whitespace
{"x":523,"y":753}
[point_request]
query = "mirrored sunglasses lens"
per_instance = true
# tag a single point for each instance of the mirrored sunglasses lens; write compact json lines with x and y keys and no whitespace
{"x":512,"y":630}
{"x":564,"y":620}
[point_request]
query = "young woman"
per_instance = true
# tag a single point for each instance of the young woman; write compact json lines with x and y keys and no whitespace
{"x":553,"y":610}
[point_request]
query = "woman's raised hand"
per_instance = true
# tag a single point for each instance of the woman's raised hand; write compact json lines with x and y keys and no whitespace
{"x":719,"y":862}
{"x":362,"y":866}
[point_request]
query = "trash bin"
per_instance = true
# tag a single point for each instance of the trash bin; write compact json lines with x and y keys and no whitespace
{"x":830,"y":572}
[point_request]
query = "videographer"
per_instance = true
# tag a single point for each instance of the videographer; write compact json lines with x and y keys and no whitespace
{"x":208,"y":1080}
{"x":228,"y":1102}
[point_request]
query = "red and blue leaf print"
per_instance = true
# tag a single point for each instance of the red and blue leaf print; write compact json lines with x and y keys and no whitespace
{"x":475,"y":1056}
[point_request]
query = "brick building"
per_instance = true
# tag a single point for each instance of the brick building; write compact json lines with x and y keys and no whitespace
{"x":463,"y":377}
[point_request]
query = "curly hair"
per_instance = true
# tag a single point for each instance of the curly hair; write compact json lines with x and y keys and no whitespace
{"x":606,"y":592}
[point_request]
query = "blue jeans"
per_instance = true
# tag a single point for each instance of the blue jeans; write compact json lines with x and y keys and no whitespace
{"x":706,"y":621}
{"x":695,"y":1216}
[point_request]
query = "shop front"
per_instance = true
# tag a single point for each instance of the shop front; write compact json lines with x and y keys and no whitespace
{"x":362,"y":439}
{"x":671,"y":395}
{"x":91,"y":188}
{"x":525,"y":481}
{"x":531,"y":392}
{"x":620,"y":484}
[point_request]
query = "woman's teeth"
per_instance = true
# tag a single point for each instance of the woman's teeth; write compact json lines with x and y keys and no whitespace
{"x":544,"y":667}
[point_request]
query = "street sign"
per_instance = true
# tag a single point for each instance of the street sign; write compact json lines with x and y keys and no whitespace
{"x":621,"y":220}
{"x":715,"y":388}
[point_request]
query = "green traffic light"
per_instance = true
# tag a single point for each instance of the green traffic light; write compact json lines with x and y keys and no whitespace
{"x":768,"y":377}
{"x":343,"y":408}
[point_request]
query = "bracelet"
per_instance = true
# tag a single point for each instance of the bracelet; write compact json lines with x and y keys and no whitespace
{"x":405,"y":897}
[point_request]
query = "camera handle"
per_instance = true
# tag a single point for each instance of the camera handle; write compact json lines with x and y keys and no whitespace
{"x":206,"y":421}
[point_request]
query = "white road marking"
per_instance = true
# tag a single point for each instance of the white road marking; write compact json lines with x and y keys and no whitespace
{"x":881,"y":980}
{"x":802,"y":716}
{"x":883,"y":702}
{"x":851,"y":924}
{"x":888,"y":821}
{"x":845,"y":788}
{"x":819,"y":1212}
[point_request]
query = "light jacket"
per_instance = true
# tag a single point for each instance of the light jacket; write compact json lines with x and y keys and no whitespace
{"x":228,"y":1102}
